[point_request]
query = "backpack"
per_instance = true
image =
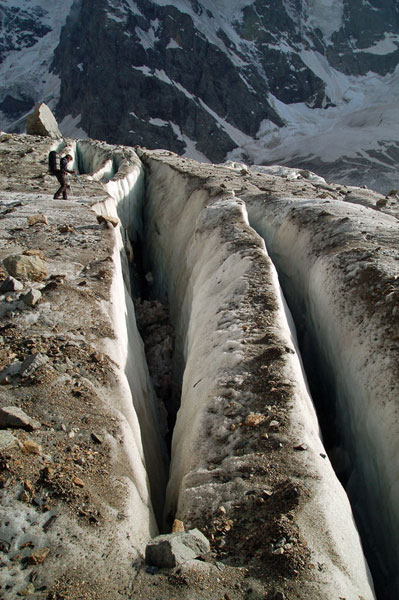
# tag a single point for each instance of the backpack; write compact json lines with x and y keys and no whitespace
{"x":53,"y":163}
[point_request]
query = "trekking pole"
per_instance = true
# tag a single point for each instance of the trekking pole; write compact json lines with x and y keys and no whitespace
{"x":69,"y":186}
{"x":81,"y":184}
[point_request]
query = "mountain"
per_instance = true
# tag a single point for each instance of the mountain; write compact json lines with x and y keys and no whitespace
{"x":296,"y":82}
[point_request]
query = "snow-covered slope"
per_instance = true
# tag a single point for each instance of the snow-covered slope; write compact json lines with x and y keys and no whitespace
{"x":299,"y":82}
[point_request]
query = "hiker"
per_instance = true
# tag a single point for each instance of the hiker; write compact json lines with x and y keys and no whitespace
{"x":61,"y":176}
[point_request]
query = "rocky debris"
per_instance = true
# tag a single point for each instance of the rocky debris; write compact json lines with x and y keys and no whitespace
{"x":24,"y":368}
{"x":37,"y":219}
{"x":42,"y":122}
{"x":26,"y":267}
{"x":108,"y":220}
{"x":170,"y":550}
{"x":13,"y":416}
{"x":10,"y":284}
{"x":32,"y":297}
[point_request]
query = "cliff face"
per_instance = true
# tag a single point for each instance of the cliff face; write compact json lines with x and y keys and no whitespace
{"x":252,"y":80}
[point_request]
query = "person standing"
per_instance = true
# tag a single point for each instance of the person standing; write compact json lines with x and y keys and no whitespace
{"x":61,"y":176}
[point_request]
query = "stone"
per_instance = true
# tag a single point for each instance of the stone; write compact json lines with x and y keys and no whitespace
{"x":10,"y":284}
{"x":29,"y":590}
{"x":23,"y":267}
{"x":178,"y":526}
{"x":31,"y":447}
{"x":108,"y":219}
{"x":32,"y":297}
{"x":38,"y":556}
{"x":11,"y":370}
{"x":254,"y":420}
{"x":301,"y":447}
{"x":78,"y":482}
{"x":7,"y":440}
{"x":13,"y":416}
{"x":170,"y":550}
{"x":66,"y":229}
{"x":37,"y":219}
{"x":42,"y":122}
{"x":35,"y":252}
{"x":33,"y":362}
{"x":97,"y":438}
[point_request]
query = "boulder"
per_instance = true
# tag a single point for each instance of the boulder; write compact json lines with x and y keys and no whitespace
{"x":26,"y":267}
{"x":42,"y":122}
{"x":13,"y":416}
{"x":168,"y":551}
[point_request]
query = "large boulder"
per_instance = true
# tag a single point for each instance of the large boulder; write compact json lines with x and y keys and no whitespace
{"x":168,"y":551}
{"x":42,"y":122}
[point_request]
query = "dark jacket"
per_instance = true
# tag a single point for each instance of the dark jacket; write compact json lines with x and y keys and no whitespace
{"x":64,"y":165}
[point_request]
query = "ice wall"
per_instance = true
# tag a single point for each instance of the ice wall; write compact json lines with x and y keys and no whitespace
{"x":206,"y":260}
{"x":338,"y":266}
{"x":139,"y":405}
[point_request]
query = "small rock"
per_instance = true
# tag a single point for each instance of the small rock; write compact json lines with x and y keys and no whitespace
{"x":66,"y":229}
{"x":107,"y":219}
{"x":13,"y":416}
{"x":301,"y":447}
{"x":32,"y":363}
{"x":28,"y":591}
{"x":38,"y":556}
{"x":36,"y":219}
{"x":254,"y":420}
{"x":27,"y":267}
{"x":97,"y":438}
{"x":35,"y":252}
{"x":168,"y":551}
{"x":274,"y":424}
{"x":7,"y":440}
{"x":78,"y":482}
{"x":10,"y":284}
{"x":279,"y":596}
{"x":178,"y":526}
{"x":32,"y":297}
{"x":31,"y":447}
{"x":24,"y":496}
{"x":222,"y":510}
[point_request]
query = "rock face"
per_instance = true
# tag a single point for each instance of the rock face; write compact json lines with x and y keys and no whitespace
{"x":42,"y":122}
